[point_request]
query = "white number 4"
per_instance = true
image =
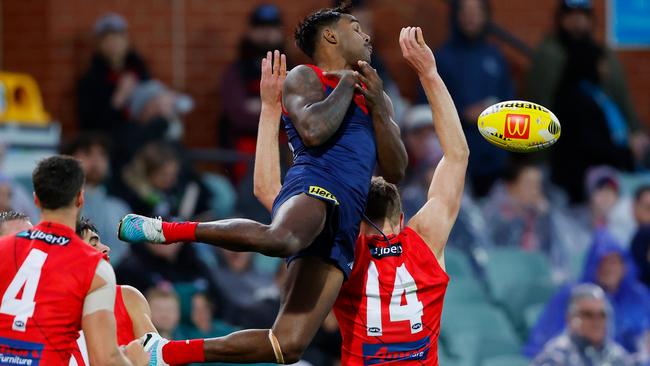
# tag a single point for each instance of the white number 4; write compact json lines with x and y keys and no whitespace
{"x":27,"y":279}
{"x":404,"y":285}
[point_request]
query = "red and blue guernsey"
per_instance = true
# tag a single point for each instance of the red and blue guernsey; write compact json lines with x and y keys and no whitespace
{"x":389,"y":309}
{"x":338,"y":173}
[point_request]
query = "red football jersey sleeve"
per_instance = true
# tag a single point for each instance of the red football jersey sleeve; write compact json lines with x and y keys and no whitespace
{"x":46,"y":274}
{"x":389,"y":309}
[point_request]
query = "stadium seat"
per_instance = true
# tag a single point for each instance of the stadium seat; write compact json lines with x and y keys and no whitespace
{"x":478,"y":319}
{"x":507,"y":360}
{"x":457,"y":264}
{"x":472,"y":349}
{"x":511,"y":267}
{"x":532,"y":313}
{"x":520,"y":298}
{"x":464,"y":290}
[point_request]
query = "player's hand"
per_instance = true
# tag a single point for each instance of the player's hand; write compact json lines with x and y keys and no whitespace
{"x":136,"y":354}
{"x":350,"y":77}
{"x":416,"y":52}
{"x":374,"y":90}
{"x":274,"y":71}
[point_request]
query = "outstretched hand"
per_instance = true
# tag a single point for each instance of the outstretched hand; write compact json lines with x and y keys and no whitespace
{"x":274,"y":71}
{"x":416,"y":52}
{"x":374,"y":87}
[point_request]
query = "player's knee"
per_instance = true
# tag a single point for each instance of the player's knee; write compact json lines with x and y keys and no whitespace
{"x":286,"y":242}
{"x":293,"y":348}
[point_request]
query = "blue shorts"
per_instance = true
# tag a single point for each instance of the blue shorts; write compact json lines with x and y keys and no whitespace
{"x":337,"y":240}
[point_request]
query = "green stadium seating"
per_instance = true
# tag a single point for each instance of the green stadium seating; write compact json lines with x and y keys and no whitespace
{"x":507,"y":360}
{"x":478,"y":319}
{"x":457,"y":264}
{"x":532,"y":313}
{"x":510,"y":267}
{"x":464,"y":290}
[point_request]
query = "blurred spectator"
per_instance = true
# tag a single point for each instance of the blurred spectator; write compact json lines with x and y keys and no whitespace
{"x":154,"y":185}
{"x":5,"y":194}
{"x":608,"y":266}
{"x":520,"y":215}
{"x":114,"y":72}
{"x":607,"y":206}
{"x":13,"y":197}
{"x":640,"y":252}
{"x":103,"y":209}
{"x":250,"y":298}
{"x":165,"y":311}
{"x":583,"y":84}
{"x":240,"y":84}
{"x":585,"y":341}
{"x":204,"y":325}
{"x":148,"y":265}
{"x":477,"y":76}
{"x":325,"y":349}
{"x":12,"y":222}
{"x":155,"y":112}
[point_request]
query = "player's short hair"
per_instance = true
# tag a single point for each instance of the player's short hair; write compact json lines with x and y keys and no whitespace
{"x":383,"y":201}
{"x":57,"y":181}
{"x":643,"y":189}
{"x":84,"y":142}
{"x":308,"y":30}
{"x":11,"y":216}
{"x":84,"y":224}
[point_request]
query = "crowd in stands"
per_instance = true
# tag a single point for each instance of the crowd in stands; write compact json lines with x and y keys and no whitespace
{"x":551,"y":249}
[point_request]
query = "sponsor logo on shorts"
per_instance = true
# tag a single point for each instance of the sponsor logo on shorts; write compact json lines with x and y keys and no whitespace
{"x":13,"y":352}
{"x":46,"y":237}
{"x":322,"y":192}
{"x":394,"y":250}
{"x":517,"y":126}
{"x":374,"y":354}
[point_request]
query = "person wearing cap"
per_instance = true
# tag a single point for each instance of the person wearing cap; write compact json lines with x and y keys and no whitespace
{"x":240,"y":86}
{"x":115,"y":70}
{"x":610,"y":267}
{"x":586,"y":341}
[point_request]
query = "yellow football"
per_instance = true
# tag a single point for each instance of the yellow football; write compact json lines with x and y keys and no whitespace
{"x":519,"y":126}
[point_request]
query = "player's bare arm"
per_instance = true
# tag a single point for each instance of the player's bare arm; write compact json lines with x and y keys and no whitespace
{"x":266,"y":178}
{"x":391,"y":153}
{"x":435,"y":219}
{"x":315,"y":116}
{"x":98,"y":323}
{"x":139,"y":312}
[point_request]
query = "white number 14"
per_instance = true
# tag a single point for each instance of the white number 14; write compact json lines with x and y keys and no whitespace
{"x":404,"y":285}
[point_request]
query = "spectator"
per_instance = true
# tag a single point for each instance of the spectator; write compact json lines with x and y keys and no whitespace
{"x":640,"y":252}
{"x":520,"y":214}
{"x":583,"y":84}
{"x":12,"y":222}
{"x":585,"y":341}
{"x":103,"y":209}
{"x":240,"y":84}
{"x":155,"y":186}
{"x":203,"y":322}
{"x":165,"y":311}
{"x":609,"y":267}
{"x":148,"y":265}
{"x":477,"y":76}
{"x":114,"y":72}
{"x":250,"y":298}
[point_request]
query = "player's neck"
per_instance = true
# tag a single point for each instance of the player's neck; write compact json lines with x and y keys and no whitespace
{"x":64,"y":216}
{"x":331,"y":63}
{"x":387,"y":228}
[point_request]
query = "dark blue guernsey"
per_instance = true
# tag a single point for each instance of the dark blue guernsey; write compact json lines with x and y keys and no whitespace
{"x":337,"y":172}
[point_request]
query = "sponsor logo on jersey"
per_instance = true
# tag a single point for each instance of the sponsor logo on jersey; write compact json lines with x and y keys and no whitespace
{"x":393,"y":250}
{"x":46,"y":237}
{"x":13,"y":352}
{"x":517,"y":126}
{"x":374,"y":354}
{"x":322,"y":192}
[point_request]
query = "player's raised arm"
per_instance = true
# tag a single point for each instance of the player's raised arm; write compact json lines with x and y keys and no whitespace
{"x":98,"y":323}
{"x":139,"y":311}
{"x":315,"y":116}
{"x":435,"y":219}
{"x":391,"y":153}
{"x":266,"y":178}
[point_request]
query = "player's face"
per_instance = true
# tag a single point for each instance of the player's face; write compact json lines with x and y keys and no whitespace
{"x":590,"y":320}
{"x":93,"y":239}
{"x":12,"y":227}
{"x":354,"y":43}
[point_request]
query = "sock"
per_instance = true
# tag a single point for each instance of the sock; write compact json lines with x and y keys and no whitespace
{"x":183,"y":352}
{"x":179,"y":231}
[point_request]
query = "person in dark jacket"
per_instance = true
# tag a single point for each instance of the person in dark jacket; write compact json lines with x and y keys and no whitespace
{"x":477,"y":76}
{"x":115,"y":70}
